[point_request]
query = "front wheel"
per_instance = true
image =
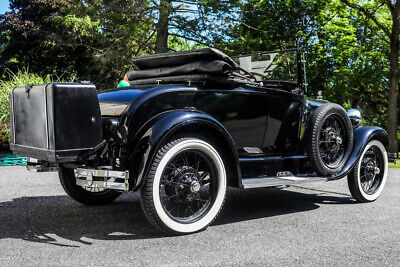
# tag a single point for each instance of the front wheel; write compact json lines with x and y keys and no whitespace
{"x":185,"y":187}
{"x":368,"y":177}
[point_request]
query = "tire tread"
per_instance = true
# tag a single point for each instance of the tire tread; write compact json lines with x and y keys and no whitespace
{"x":146,"y":191}
{"x":316,"y":120}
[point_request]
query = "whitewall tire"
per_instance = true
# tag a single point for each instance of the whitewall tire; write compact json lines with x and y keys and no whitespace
{"x":185,"y":187}
{"x":368,"y":178}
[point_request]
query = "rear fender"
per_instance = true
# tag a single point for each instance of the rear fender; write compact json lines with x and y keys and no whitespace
{"x":362,"y":136}
{"x":158,"y":129}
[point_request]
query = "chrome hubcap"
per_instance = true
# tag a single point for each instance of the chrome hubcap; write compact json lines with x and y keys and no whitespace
{"x":339,"y":140}
{"x":195,"y":186}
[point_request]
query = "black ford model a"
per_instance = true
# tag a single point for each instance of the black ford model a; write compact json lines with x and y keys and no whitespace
{"x":191,"y":124}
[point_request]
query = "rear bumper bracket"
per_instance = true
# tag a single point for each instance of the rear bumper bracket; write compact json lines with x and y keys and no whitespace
{"x":102,"y":179}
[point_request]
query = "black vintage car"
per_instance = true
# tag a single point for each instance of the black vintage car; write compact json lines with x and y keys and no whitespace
{"x":191,"y":124}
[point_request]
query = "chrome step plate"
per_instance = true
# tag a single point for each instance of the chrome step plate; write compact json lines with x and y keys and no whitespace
{"x":278,"y":181}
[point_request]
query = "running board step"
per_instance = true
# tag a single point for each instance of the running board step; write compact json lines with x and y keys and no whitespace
{"x":102,"y":179}
{"x":278,"y":181}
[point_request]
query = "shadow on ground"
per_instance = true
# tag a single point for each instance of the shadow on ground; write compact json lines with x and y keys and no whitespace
{"x":36,"y":219}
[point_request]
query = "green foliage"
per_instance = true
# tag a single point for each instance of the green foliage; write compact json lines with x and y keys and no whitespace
{"x":5,"y":137}
{"x":11,"y":80}
{"x":348,"y":62}
{"x":177,"y":43}
{"x":96,"y":40}
{"x":346,"y":58}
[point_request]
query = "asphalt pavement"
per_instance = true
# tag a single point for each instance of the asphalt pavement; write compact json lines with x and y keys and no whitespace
{"x":312,"y":224}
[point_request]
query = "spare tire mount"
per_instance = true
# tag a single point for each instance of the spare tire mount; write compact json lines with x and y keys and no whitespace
{"x":331,"y":139}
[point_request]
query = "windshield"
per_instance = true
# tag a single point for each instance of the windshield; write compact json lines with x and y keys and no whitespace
{"x":271,"y":66}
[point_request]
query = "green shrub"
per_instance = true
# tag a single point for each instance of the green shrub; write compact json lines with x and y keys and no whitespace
{"x":4,"y":136}
{"x":9,"y":81}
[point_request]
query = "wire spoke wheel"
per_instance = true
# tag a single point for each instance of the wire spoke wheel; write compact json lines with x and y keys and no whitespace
{"x":332,"y":141}
{"x":188,"y":186}
{"x":371,"y":175}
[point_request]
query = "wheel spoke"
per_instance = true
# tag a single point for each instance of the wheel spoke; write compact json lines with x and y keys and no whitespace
{"x":331,"y":150}
{"x":370,"y":179}
{"x":203,"y":176}
{"x":185,"y":186}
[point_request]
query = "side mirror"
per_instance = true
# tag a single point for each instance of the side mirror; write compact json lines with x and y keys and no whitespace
{"x":355,"y":117}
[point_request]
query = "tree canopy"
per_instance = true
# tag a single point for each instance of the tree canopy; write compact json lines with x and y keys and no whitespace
{"x":350,"y":46}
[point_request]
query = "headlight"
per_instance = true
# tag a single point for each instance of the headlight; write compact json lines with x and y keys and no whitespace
{"x":355,"y":117}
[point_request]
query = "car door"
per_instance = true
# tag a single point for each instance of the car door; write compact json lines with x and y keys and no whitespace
{"x":243,"y":113}
{"x":283,"y":122}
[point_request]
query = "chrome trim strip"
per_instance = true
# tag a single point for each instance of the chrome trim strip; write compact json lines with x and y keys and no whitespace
{"x":53,"y":150}
{"x":76,"y":85}
{"x":45,"y":111}
{"x":278,"y":181}
{"x":13,"y":116}
{"x":102,"y":173}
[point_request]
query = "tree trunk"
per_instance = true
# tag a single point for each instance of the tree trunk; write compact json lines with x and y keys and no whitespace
{"x":393,"y":87}
{"x":162,"y":26}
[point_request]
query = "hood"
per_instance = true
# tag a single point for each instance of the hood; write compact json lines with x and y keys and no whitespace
{"x":114,"y":102}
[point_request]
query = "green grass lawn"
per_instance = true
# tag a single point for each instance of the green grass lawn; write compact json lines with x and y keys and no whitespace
{"x":397,"y":165}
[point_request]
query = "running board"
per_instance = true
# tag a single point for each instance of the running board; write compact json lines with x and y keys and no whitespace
{"x":278,"y":181}
{"x":102,"y":179}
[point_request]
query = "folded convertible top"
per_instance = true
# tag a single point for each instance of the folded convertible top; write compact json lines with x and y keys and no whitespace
{"x":183,"y":57}
{"x":207,"y":66}
{"x":204,"y":67}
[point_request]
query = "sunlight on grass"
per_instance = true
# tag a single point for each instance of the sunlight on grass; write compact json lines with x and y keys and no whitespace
{"x":397,"y":165}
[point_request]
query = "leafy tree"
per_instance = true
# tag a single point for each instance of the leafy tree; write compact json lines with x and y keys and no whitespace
{"x":346,"y":63}
{"x":202,"y":22}
{"x":25,"y":34}
{"x":94,"y":39}
{"x":271,"y":25}
{"x":345,"y":57}
{"x":384,"y":19}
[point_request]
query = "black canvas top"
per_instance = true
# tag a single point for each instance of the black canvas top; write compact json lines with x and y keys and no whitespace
{"x":217,"y":67}
{"x":180,"y":58}
{"x":207,"y":67}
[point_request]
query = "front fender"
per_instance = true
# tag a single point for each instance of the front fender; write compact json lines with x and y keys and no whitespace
{"x":362,"y":136}
{"x":158,"y":129}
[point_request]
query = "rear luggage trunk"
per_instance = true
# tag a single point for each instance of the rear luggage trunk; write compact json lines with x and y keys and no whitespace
{"x":55,"y":122}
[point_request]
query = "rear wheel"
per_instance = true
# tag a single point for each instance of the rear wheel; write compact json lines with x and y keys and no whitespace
{"x":185,"y":187}
{"x":368,"y":177}
{"x":83,"y":195}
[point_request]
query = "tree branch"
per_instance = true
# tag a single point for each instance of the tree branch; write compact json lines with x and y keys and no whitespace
{"x":390,"y":5}
{"x":190,"y":39}
{"x":369,"y":15}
